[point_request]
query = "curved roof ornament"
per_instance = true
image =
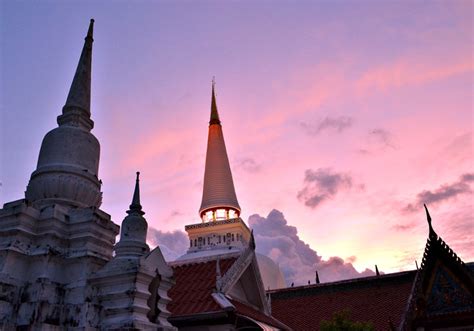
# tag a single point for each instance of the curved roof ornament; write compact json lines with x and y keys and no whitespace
{"x":428,"y":218}
{"x":252,"y":244}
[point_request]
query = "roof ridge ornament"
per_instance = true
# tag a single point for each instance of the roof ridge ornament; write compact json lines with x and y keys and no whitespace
{"x":377,"y":273}
{"x":317,"y":277}
{"x":252,"y":244}
{"x":218,"y":275}
{"x":428,"y":218}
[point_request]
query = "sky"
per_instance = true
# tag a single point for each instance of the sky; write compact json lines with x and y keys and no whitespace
{"x":341,"y":118}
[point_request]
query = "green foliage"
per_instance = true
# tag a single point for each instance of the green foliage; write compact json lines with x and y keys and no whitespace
{"x":341,"y":321}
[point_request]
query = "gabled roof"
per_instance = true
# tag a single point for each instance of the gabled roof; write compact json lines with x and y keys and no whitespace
{"x":444,"y":287}
{"x":440,"y":294}
{"x":381,"y":300}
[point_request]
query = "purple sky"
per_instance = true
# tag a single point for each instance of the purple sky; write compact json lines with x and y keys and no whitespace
{"x":344,"y":116}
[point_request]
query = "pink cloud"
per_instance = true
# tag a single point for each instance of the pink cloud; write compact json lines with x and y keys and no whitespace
{"x":407,"y":72}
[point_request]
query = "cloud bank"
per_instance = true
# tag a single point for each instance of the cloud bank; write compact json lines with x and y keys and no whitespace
{"x":297,"y":260}
{"x":172,"y":244}
{"x":321,"y":185}
{"x":382,"y":137}
{"x":280,"y":242}
{"x":248,"y":164}
{"x":441,"y":194}
{"x":337,"y":124}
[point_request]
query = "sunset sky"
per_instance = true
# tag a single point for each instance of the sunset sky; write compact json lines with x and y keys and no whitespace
{"x":344,"y":116}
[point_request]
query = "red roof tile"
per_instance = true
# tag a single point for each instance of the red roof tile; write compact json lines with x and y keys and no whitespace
{"x":195,"y":282}
{"x":372,"y":299}
{"x":192,"y":293}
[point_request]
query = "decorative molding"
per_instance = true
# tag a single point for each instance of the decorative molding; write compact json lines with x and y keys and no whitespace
{"x":214,"y":223}
{"x":235,"y":271}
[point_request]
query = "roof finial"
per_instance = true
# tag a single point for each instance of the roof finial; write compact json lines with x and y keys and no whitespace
{"x":252,"y":241}
{"x":416,"y":264}
{"x":428,"y":218}
{"x":136,"y":207}
{"x":218,"y":268}
{"x":377,"y":273}
{"x":214,"y":114}
{"x":317,"y":278}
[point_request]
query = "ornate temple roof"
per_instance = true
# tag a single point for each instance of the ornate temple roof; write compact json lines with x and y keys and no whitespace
{"x":443,"y":288}
{"x":439,"y":294}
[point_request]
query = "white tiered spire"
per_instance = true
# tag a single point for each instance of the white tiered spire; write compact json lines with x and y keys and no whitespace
{"x":68,"y":162}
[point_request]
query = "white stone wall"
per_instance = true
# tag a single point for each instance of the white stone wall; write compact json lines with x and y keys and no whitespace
{"x":57,"y":271}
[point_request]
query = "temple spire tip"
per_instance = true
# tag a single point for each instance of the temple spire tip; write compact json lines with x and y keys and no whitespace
{"x":90,"y":31}
{"x":78,"y":101}
{"x":136,"y":206}
{"x":214,"y":114}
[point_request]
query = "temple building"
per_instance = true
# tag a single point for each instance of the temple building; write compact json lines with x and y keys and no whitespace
{"x":62,"y":269}
{"x":437,"y":296}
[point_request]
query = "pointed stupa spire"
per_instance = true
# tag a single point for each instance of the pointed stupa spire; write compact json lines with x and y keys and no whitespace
{"x":68,"y":164}
{"x":136,"y":207}
{"x":218,"y":197}
{"x":317,"y":277}
{"x":78,"y":101}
